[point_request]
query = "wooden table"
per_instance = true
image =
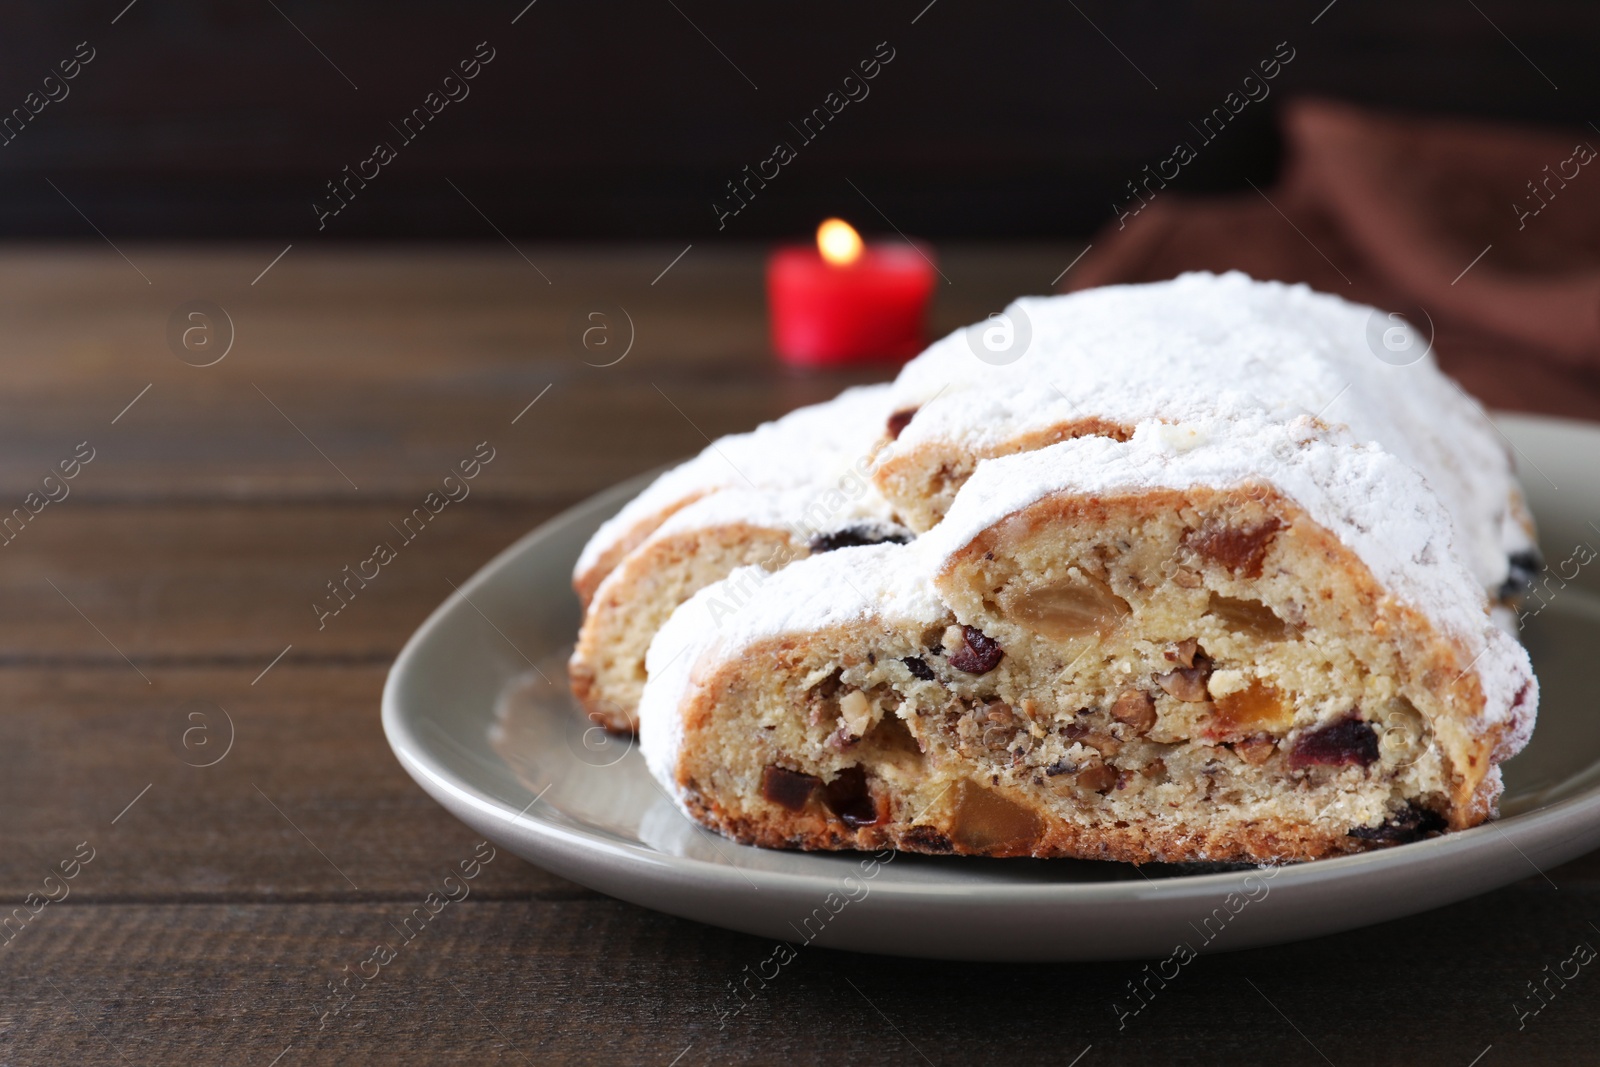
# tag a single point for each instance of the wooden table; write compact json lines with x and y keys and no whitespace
{"x":158,"y":618}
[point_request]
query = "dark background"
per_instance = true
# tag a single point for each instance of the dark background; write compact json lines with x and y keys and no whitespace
{"x":608,"y":120}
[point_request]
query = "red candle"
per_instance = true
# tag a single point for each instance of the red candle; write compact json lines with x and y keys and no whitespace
{"x":845,"y":302}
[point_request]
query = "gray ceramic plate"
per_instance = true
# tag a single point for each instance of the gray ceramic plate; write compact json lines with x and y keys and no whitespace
{"x":476,"y":709}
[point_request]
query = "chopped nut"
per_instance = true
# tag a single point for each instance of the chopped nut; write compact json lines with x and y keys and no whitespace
{"x":1156,"y":768}
{"x":1097,"y":777}
{"x":999,"y":712}
{"x":855,"y":711}
{"x":1188,"y":682}
{"x":1135,"y":708}
{"x":1256,"y":750}
{"x":1105,"y":744}
{"x":1188,"y":579}
{"x":1183,"y":652}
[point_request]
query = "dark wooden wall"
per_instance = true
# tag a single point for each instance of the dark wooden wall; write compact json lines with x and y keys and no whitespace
{"x":218,"y":118}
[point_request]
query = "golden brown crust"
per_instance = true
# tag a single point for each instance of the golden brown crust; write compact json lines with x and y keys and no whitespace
{"x":587,"y":582}
{"x":1264,"y":841}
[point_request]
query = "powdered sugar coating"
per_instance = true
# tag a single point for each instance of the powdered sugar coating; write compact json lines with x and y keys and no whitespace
{"x":886,"y":582}
{"x":1378,"y":507}
{"x":803,"y":512}
{"x":812,"y":445}
{"x":1224,"y":345}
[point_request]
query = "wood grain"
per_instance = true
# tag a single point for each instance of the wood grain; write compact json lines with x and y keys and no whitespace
{"x":221,"y":899}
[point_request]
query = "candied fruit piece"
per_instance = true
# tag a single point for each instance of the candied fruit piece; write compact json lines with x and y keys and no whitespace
{"x":1349,"y":740}
{"x":788,"y":789}
{"x":984,"y":820}
{"x":1258,"y":707}
{"x":1241,"y":549}
{"x":1250,"y":618}
{"x":972,"y":650}
{"x":848,"y":797}
{"x":1135,"y":708}
{"x":918,"y":668}
{"x":1078,"y":607}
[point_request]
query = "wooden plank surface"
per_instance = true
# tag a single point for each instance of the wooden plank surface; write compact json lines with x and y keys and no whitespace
{"x":222,"y":899}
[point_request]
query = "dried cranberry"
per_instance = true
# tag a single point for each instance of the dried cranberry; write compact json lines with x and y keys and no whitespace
{"x":788,"y":789}
{"x":918,"y":668}
{"x":978,"y":653}
{"x":899,"y":420}
{"x":848,"y":797}
{"x":861,"y":533}
{"x":1412,"y":824}
{"x":1350,"y":740}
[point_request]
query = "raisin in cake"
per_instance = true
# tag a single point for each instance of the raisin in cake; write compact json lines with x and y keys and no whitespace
{"x":700,"y":544}
{"x":1230,"y":639}
{"x":811,"y":445}
{"x":1101,"y":361}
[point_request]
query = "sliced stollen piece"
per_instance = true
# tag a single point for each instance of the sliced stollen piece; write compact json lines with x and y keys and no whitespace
{"x":1101,"y":361}
{"x":698,"y":545}
{"x":1226,"y":641}
{"x":811,"y":445}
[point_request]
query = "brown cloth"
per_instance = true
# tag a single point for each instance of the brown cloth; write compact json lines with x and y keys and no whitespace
{"x":1490,"y":233}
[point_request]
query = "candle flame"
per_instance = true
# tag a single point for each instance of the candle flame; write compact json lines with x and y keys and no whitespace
{"x":838,"y":242}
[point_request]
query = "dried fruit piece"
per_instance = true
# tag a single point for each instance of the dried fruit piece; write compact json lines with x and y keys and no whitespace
{"x":1256,"y":708}
{"x":848,"y":797}
{"x":918,"y":668}
{"x":1078,"y":607}
{"x":1411,"y":824}
{"x":860,"y":533}
{"x":1135,"y":708}
{"x":1349,"y":740}
{"x":899,"y":420}
{"x":1255,"y":750}
{"x":1241,"y":549}
{"x":1251,"y":618}
{"x":971,"y":650}
{"x":984,"y":820}
{"x":1521,"y":569}
{"x":788,"y":789}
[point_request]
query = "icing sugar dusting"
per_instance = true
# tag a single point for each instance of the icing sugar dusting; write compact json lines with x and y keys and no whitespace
{"x":1221,"y":345}
{"x":811,"y":445}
